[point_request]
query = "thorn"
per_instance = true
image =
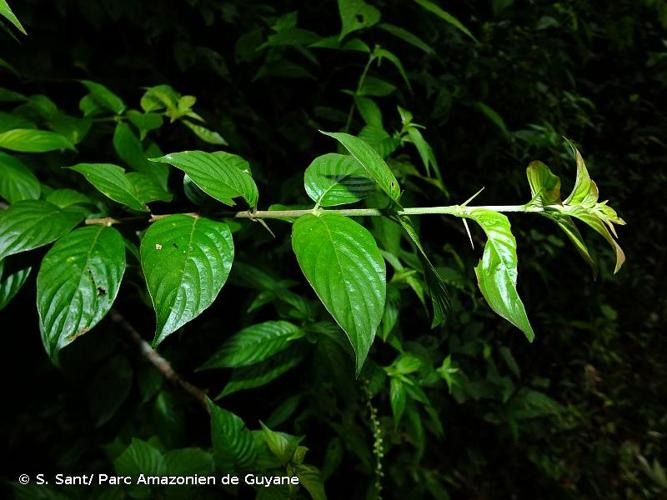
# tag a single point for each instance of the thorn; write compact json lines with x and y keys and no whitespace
{"x":472,"y":197}
{"x":265,"y":226}
{"x":465,"y":223}
{"x":251,"y":216}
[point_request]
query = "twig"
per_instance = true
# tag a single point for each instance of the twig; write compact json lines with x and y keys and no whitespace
{"x":455,"y":210}
{"x":163,"y":366}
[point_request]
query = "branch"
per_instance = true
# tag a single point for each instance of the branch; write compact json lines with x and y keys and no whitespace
{"x":163,"y":366}
{"x":455,"y":210}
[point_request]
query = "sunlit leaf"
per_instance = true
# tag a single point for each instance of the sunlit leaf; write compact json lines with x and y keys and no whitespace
{"x":497,"y":270}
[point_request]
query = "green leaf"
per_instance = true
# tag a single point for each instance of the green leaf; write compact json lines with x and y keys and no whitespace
{"x":369,"y":110}
{"x":437,"y":289}
{"x":382,"y":53}
{"x":233,"y":444}
{"x":22,"y":225}
{"x":7,"y":95}
{"x":254,"y":344}
{"x":370,"y":160}
{"x":600,"y":225}
{"x":140,"y":457}
{"x":343,"y":264}
{"x":109,"y":388}
{"x":26,"y":140}
{"x":205,"y":134}
{"x":223,"y":176}
{"x":112,"y":182}
{"x":397,"y":398}
{"x":7,"y":13}
{"x":335,"y":179}
{"x":186,"y":261}
{"x":424,"y":149}
{"x":11,"y":283}
{"x":188,"y":462}
{"x":585,"y":191}
{"x":281,"y":445}
{"x":250,"y":377}
{"x":147,"y":188}
{"x":492,"y":115}
{"x":129,"y":149}
{"x":372,"y":86}
{"x":407,"y":36}
{"x":446,"y":16}
{"x":10,"y":121}
{"x":545,"y":191}
{"x":356,"y":15}
{"x":64,"y":198}
{"x":544,"y":184}
{"x":310,"y":479}
{"x":572,"y":232}
{"x":582,"y":204}
{"x":160,"y":97}
{"x":497,"y":270}
{"x":104,"y":98}
{"x":77,"y":284}
{"x":16,"y":181}
{"x":145,"y":122}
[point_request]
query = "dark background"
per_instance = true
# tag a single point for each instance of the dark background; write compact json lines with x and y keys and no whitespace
{"x":593,"y":71}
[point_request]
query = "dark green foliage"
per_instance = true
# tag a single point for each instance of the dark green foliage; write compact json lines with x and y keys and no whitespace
{"x":359,"y":354}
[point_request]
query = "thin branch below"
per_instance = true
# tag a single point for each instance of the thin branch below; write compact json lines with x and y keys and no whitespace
{"x":162,"y":365}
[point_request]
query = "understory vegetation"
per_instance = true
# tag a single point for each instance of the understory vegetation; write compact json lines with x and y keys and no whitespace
{"x":393,"y":249}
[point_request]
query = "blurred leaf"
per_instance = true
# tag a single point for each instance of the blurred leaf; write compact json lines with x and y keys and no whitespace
{"x":16,"y":181}
{"x":445,"y":16}
{"x":356,"y":15}
{"x":104,"y":97}
{"x":7,"y":13}
{"x":254,"y":344}
{"x":33,"y":141}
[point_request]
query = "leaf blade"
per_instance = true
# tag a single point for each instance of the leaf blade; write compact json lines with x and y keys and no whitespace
{"x":186,"y":261}
{"x":222,"y":175}
{"x":334,"y":179}
{"x":343,"y":264}
{"x":112,"y":182}
{"x":497,"y":270}
{"x":371,"y":161}
{"x":22,"y":225}
{"x":77,"y":284}
{"x":17,"y":183}
{"x":253,"y":344}
{"x":25,"y":140}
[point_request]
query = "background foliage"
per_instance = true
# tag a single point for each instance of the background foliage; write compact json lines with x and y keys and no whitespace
{"x":483,"y":414}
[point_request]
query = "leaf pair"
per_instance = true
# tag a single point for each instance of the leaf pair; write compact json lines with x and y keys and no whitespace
{"x":581,"y":204}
